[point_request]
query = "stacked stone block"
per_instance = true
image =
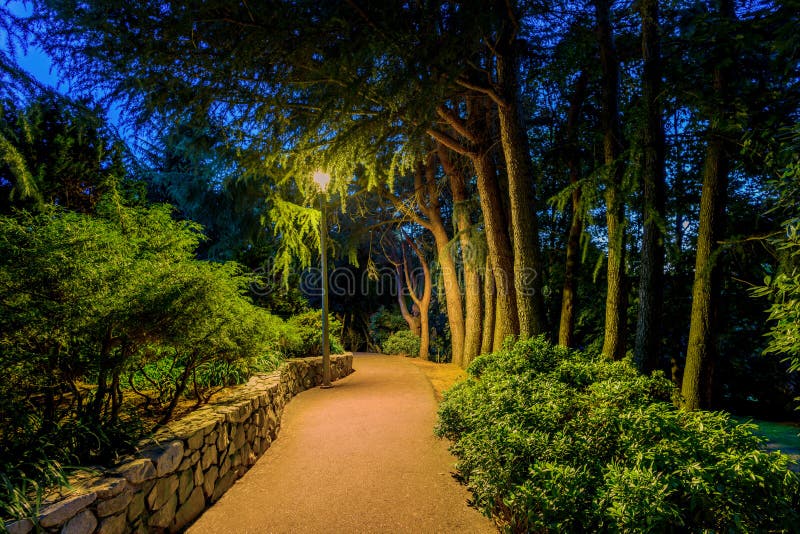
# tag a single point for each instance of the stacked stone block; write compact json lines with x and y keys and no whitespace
{"x":189,"y":464}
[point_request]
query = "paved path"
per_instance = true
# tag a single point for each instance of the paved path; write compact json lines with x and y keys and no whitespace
{"x":360,"y":457}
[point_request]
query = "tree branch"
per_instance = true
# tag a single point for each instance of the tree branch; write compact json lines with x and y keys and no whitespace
{"x":483,"y":89}
{"x":426,"y":291}
{"x":434,"y":205}
{"x":450,"y":142}
{"x":455,"y":122}
{"x":405,"y":210}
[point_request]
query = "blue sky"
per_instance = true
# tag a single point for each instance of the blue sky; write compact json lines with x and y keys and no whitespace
{"x":33,"y":59}
{"x":41,"y":67}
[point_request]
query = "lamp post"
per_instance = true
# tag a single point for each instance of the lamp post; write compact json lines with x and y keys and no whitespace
{"x":322,"y":179}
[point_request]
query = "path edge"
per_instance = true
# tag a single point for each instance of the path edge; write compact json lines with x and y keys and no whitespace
{"x":187,"y":465}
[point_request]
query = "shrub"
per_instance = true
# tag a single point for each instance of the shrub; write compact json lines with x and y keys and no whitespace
{"x":549,"y":439}
{"x":97,"y":306}
{"x":223,"y":373}
{"x":304,"y":335}
{"x":784,"y":291}
{"x":404,"y":342}
{"x":383,"y":323}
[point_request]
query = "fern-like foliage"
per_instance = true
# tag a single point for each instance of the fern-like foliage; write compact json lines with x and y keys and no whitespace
{"x":298,"y":228}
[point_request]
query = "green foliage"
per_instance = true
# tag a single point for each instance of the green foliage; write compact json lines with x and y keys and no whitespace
{"x":550,"y":439}
{"x":194,"y":169}
{"x":404,"y":342}
{"x":157,"y":377}
{"x":55,"y":151}
{"x":97,"y":307}
{"x":21,"y":491}
{"x":383,"y":323}
{"x":304,"y":335}
{"x":784,"y":291}
{"x":297,"y":226}
{"x":783,"y":288}
{"x":222,"y":373}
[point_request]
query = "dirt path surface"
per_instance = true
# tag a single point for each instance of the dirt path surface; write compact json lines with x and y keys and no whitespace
{"x":360,"y":457}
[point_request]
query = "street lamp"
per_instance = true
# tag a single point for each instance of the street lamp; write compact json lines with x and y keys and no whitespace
{"x":322,"y":179}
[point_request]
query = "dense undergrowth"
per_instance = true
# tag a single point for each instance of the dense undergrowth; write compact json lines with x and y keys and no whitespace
{"x":553,"y":440}
{"x":111,"y":324}
{"x":403,"y":342}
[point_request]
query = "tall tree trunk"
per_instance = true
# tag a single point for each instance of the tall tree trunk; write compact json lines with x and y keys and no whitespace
{"x":472,"y":278}
{"x":647,"y":350}
{"x":696,"y":389}
{"x":701,"y":352}
{"x":489,"y":308}
{"x":474,"y":312}
{"x":495,"y":224}
{"x":423,"y":301}
{"x":528,"y":270}
{"x":616,"y":298}
{"x":452,"y":293}
{"x":506,"y":320}
{"x":425,"y":185}
{"x":566,"y":329}
{"x":478,"y":146}
{"x":428,"y":215}
{"x":413,"y":321}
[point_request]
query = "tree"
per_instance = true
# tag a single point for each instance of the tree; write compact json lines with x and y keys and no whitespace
{"x":351,"y":57}
{"x":87,"y":297}
{"x":194,"y":170}
{"x":647,"y":349}
{"x":469,"y":243}
{"x":409,"y":283}
{"x":783,"y":286}
{"x":370,"y":91}
{"x":478,"y":146}
{"x":696,"y":388}
{"x":616,"y":296}
{"x":566,"y":330}
{"x":54,"y":151}
{"x":423,"y":207}
{"x":528,"y":271}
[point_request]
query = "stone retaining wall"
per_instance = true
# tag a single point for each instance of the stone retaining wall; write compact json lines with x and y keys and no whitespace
{"x":189,"y":464}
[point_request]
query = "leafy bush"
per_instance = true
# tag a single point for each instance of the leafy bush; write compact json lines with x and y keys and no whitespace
{"x":782,"y":287}
{"x":304,"y":335}
{"x":156,"y":381}
{"x":222,"y":373}
{"x":95,"y":307}
{"x":549,"y":439}
{"x":383,"y":323}
{"x":784,"y":291}
{"x":403,"y":342}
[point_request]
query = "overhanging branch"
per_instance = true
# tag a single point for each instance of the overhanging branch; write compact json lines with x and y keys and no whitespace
{"x":483,"y":89}
{"x":448,"y":141}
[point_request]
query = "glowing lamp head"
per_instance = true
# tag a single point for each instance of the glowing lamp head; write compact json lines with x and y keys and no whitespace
{"x":322,"y":179}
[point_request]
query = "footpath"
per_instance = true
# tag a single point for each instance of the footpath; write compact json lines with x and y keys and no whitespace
{"x":359,"y":457}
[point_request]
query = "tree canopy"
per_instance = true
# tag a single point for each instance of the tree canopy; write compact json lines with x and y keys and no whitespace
{"x":619,"y":178}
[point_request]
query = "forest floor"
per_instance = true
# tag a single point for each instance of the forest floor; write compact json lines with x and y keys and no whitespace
{"x":442,"y":376}
{"x":359,"y":457}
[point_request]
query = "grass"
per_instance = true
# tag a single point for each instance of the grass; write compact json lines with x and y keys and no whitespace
{"x":442,"y":376}
{"x":782,"y":436}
